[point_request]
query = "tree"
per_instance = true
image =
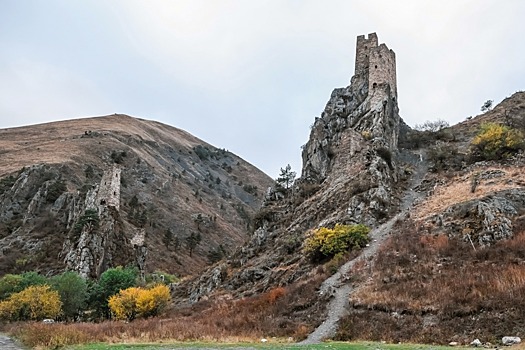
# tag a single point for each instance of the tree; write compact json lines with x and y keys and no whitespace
{"x":90,"y":220}
{"x":10,"y":284}
{"x":33,"y":303}
{"x":72,"y":289}
{"x":110,"y":283}
{"x":496,"y":141}
{"x":32,"y":278}
{"x":432,"y":126}
{"x":138,"y":302}
{"x":168,"y":238}
{"x":286,"y":177}
{"x":326,"y":243}
{"x":192,"y":241}
{"x":486,"y":106}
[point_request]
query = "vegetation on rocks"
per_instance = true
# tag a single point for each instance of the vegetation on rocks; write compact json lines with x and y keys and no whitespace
{"x":326,"y":243}
{"x":496,"y":141}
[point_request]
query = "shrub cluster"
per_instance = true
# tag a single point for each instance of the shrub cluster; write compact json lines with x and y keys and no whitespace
{"x":68,"y":296}
{"x":445,"y":156}
{"x":496,"y":141}
{"x":135,"y":302}
{"x":326,"y":243}
{"x":33,"y":303}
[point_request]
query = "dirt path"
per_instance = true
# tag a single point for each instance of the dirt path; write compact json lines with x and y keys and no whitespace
{"x":336,"y":284}
{"x":7,"y":343}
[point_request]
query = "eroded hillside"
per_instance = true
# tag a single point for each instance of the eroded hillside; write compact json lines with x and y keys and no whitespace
{"x":179,"y":203}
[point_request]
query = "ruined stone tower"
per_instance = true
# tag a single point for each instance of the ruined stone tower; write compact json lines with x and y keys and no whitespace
{"x":377,"y":64}
{"x":109,"y":189}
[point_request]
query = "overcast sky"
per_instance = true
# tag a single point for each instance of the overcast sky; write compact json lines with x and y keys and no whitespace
{"x":249,"y":76}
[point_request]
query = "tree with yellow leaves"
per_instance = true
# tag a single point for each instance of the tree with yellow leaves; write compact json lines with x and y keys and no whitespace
{"x":327,"y":242}
{"x":135,"y":302}
{"x":496,"y":141}
{"x":33,"y":303}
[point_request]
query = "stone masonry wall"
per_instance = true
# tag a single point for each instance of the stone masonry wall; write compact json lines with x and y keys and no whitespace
{"x":362,"y":51}
{"x":382,"y":68}
{"x":377,"y":65}
{"x":109,"y":189}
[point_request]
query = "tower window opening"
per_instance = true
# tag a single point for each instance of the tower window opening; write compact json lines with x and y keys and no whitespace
{"x":376,"y":66}
{"x":374,"y":85}
{"x":366,"y":47}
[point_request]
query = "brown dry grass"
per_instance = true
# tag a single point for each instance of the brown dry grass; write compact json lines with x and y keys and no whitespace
{"x":458,"y":189}
{"x":280,"y":312}
{"x":417,"y":278}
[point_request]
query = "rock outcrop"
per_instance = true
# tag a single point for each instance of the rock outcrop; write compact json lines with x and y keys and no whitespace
{"x":483,"y":221}
{"x":93,"y":193}
{"x":349,"y":175}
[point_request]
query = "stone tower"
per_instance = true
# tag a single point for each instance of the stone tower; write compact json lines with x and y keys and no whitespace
{"x":109,"y":189}
{"x":377,"y":64}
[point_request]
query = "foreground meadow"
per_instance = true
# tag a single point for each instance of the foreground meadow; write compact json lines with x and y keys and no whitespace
{"x":259,"y":346}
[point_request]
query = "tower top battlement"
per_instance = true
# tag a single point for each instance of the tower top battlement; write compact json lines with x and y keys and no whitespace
{"x":376,"y":63}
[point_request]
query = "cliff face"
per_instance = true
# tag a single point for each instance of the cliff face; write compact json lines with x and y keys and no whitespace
{"x":349,"y":175}
{"x":93,"y":193}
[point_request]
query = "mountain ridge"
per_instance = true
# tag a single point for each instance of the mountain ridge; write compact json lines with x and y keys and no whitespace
{"x":216,"y":192}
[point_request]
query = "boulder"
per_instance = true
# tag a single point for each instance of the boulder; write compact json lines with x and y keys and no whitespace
{"x":510,"y":340}
{"x":476,"y":342}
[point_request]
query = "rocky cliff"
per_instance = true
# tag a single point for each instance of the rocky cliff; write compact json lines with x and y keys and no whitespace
{"x":445,"y":259}
{"x":93,"y":193}
{"x":350,"y":175}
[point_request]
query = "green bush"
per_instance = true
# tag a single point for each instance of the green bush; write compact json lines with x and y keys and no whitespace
{"x":496,"y":141}
{"x":90,"y":217}
{"x":55,"y":190}
{"x":445,"y":156}
{"x":325,"y":243}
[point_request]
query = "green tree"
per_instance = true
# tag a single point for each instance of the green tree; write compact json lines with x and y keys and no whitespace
{"x":72,"y":289}
{"x":32,"y":278}
{"x":110,"y":283}
{"x":192,"y":241}
{"x":486,"y":106}
{"x":90,"y":219}
{"x":286,"y":177}
{"x":168,"y":238}
{"x":10,"y":284}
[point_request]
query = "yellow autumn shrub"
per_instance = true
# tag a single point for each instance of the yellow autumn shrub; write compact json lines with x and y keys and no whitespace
{"x":135,"y":302}
{"x":153,"y":301}
{"x":33,"y":303}
{"x":123,"y":305}
{"x":495,"y":141}
{"x":328,"y":242}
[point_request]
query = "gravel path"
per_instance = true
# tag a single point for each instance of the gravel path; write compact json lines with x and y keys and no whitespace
{"x":337,"y":285}
{"x":7,"y":343}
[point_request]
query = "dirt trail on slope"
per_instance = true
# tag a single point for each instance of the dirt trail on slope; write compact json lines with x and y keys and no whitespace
{"x":336,"y":285}
{"x":7,"y":343}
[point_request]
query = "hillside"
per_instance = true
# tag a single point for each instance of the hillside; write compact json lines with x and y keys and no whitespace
{"x":444,"y":259}
{"x":163,"y":199}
